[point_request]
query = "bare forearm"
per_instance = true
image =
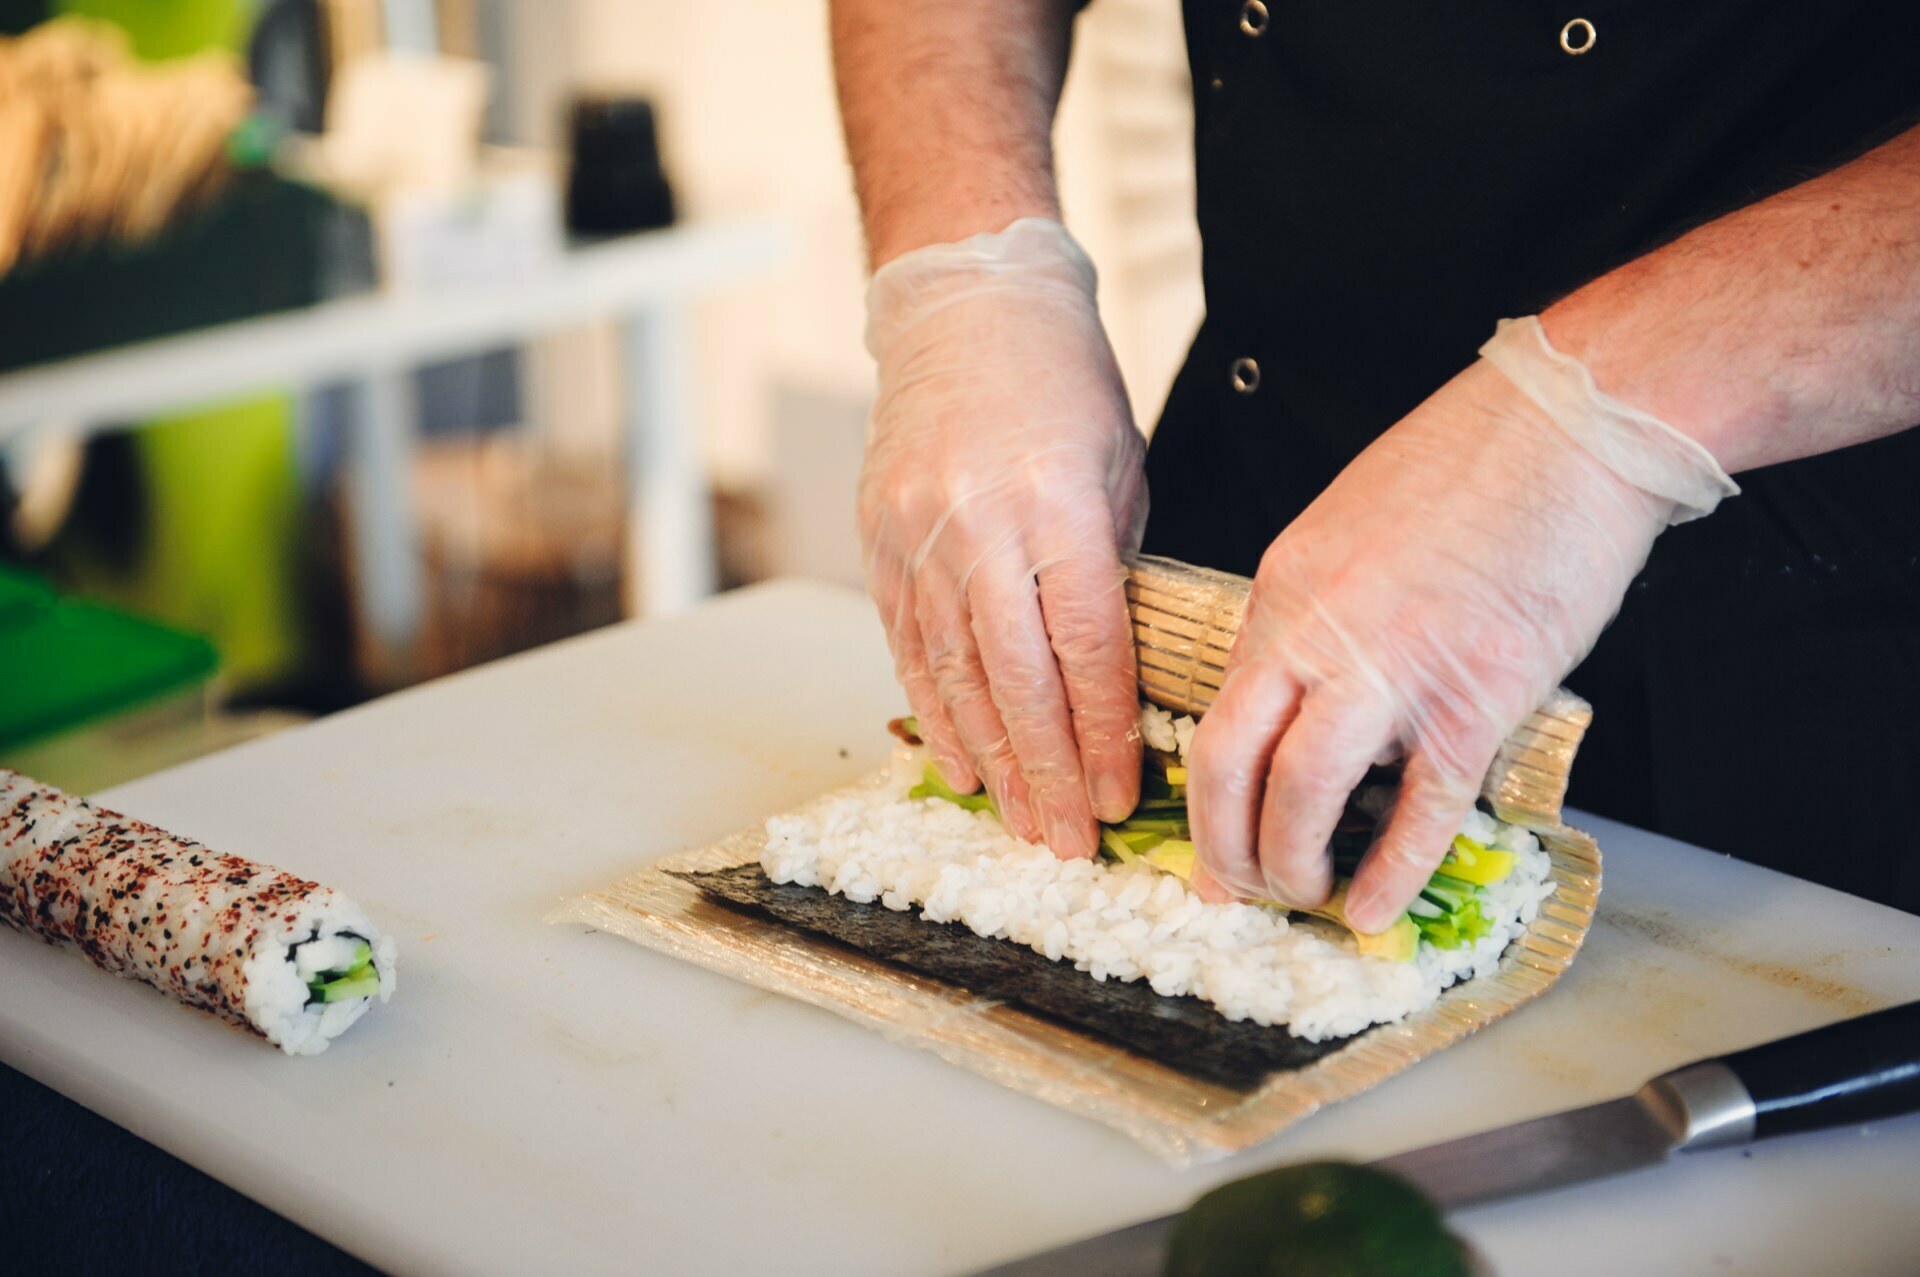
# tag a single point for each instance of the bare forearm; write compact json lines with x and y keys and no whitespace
{"x":1788,"y":328}
{"x":948,"y":107}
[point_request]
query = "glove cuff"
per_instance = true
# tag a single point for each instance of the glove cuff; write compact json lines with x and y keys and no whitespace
{"x":1639,"y":447}
{"x":1033,"y":253}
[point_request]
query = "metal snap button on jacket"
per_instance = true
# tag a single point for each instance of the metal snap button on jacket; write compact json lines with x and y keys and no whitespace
{"x":1578,"y":36}
{"x":1253,"y":18}
{"x":1245,"y":375}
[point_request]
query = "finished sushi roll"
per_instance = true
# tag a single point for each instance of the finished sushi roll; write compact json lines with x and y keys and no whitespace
{"x":288,"y":959}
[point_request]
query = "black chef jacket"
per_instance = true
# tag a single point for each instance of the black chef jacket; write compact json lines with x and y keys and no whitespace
{"x":1380,"y":181}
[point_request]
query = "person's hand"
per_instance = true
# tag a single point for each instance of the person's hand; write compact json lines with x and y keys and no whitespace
{"x":1427,"y":602}
{"x":1002,"y":484}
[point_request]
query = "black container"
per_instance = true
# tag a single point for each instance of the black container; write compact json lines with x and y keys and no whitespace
{"x":617,"y":183}
{"x":266,"y":245}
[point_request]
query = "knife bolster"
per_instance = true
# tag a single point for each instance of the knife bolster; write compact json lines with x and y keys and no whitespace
{"x":1704,"y":1105}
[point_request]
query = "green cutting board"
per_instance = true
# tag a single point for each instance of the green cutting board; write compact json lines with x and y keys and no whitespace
{"x":64,"y":663}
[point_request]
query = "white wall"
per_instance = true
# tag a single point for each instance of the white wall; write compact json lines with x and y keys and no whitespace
{"x":749,"y":124}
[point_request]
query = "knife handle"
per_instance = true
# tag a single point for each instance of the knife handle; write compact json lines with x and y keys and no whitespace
{"x":1847,"y":1073}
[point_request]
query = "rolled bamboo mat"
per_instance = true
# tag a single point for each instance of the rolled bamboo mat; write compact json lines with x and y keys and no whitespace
{"x":1185,"y":619}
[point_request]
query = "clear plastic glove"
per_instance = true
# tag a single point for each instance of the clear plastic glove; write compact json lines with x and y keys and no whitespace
{"x":1429,"y":600}
{"x":1003,"y":482}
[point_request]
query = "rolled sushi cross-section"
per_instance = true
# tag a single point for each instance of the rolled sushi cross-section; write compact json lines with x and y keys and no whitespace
{"x":288,"y":959}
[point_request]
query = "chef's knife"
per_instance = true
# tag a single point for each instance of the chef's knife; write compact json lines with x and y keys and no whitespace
{"x":1847,"y":1073}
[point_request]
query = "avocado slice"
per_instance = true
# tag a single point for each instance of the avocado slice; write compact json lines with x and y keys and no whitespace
{"x":1471,"y":862}
{"x":1320,"y":1219}
{"x":1174,"y":856}
{"x":1397,"y":943}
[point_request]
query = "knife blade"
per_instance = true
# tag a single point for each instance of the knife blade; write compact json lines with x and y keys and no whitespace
{"x":1847,"y":1073}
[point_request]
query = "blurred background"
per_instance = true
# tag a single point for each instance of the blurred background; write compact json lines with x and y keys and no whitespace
{"x":348,"y":343}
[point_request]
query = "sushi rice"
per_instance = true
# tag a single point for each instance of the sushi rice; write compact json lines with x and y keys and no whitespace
{"x":1131,"y":921}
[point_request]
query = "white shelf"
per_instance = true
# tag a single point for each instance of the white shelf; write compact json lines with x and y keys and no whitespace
{"x":384,"y":332}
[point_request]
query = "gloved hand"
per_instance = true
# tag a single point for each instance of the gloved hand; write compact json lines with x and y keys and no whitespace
{"x":1427,"y":602}
{"x":1003,"y":481}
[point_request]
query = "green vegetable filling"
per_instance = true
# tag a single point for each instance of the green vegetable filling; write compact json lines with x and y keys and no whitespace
{"x":357,"y":980}
{"x":933,"y":785}
{"x":364,"y":984}
{"x":1446,"y":914}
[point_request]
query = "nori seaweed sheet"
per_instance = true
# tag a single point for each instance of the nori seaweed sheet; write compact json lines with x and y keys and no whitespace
{"x":1181,"y":1033}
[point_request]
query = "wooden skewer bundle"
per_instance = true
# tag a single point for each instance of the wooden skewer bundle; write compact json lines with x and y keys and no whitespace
{"x":1185,"y":620}
{"x":96,"y":146}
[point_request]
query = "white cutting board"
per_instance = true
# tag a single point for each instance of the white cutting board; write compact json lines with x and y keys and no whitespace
{"x":542,"y":1099}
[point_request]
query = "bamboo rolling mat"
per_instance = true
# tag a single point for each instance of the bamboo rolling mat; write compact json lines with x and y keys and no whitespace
{"x":1180,"y":1118}
{"x":1186,"y":618}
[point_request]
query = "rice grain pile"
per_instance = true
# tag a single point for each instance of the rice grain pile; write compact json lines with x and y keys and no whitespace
{"x":1132,"y":922}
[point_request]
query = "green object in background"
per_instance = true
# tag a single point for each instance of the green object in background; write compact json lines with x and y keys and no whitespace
{"x":219,"y":542}
{"x":67,"y":663}
{"x":163,"y":29}
{"x":219,"y":553}
{"x":21,"y":595}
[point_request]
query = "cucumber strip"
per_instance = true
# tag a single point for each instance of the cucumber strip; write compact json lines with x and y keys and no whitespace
{"x":1170,"y":827}
{"x":365,"y":985}
{"x":933,"y":785}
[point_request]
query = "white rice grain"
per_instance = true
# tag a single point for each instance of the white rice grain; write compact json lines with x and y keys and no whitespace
{"x":1166,"y":733}
{"x":1131,"y":922}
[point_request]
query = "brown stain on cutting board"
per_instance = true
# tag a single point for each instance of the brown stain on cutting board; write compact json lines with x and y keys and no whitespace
{"x":1567,"y":1069}
{"x":1814,"y":979}
{"x":753,"y":1000}
{"x":1809,"y":982}
{"x":1656,"y":1011}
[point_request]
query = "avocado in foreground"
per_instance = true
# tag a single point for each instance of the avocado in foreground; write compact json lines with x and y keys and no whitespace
{"x":1320,"y":1219}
